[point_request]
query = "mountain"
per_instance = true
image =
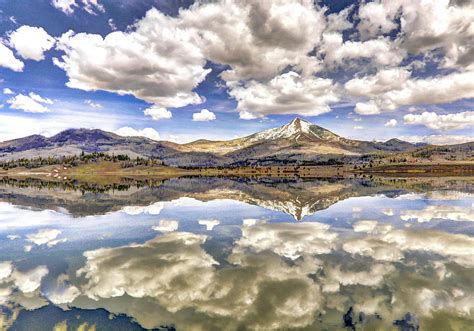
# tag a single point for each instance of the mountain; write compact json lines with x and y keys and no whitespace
{"x":75,"y":141}
{"x":432,"y":153}
{"x":295,"y":142}
{"x":298,"y":131}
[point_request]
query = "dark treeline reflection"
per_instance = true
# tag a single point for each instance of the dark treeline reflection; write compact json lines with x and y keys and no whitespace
{"x":124,"y":184}
{"x":295,"y":196}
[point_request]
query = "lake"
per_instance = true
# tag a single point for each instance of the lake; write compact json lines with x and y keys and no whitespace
{"x":238,"y":254}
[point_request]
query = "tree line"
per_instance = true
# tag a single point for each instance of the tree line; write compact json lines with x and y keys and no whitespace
{"x":75,"y":160}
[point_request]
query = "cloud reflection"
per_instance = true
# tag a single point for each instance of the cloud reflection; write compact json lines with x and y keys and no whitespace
{"x":282,"y":274}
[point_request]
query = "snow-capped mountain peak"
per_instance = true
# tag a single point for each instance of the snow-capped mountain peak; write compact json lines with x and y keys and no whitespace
{"x":297,"y":125}
{"x":293,"y":129}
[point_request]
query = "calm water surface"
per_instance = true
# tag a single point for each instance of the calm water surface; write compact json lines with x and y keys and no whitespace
{"x":235,"y":254}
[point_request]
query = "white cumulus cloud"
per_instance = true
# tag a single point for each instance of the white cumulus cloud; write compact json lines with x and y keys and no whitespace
{"x":158,"y":113}
{"x":149,"y":133}
{"x":391,"y":123}
{"x":69,"y":6}
{"x":271,"y":35}
{"x":66,"y":6}
{"x":204,"y":116}
{"x":93,"y":6}
{"x":377,"y":18}
{"x":288,"y":93}
{"x":157,"y":61}
{"x":366,"y":108}
{"x":32,"y":103}
{"x":280,"y":48}
{"x":112,"y":25}
{"x":389,"y":90}
{"x":31,"y":42}
{"x":441,"y":122}
{"x":451,"y":37}
{"x":383,"y":81}
{"x":438,"y":139}
{"x":8,"y":59}
{"x":40,"y":99}
{"x":381,"y":52}
{"x":161,"y":59}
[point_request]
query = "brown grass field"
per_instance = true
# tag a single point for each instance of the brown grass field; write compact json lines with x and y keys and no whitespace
{"x":105,"y":172}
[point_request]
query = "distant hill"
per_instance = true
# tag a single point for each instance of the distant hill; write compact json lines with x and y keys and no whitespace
{"x":295,"y":142}
{"x":75,"y":141}
{"x":458,"y":152}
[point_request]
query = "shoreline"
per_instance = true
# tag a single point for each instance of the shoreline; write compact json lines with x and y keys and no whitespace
{"x":108,"y":171}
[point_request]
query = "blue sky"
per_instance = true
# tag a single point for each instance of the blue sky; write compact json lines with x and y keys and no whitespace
{"x":351,"y":67}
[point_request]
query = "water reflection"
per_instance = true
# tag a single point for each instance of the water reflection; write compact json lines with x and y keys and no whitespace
{"x":296,"y":197}
{"x":226,"y":254}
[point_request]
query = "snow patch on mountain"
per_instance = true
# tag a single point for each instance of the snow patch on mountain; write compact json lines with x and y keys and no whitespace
{"x":296,"y":127}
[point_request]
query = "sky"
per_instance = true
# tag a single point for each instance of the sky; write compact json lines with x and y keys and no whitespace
{"x":184,"y":70}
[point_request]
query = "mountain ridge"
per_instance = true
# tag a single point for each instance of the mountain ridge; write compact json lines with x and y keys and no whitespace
{"x":296,"y":141}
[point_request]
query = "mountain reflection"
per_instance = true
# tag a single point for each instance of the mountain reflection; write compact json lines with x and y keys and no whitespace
{"x":216,"y":254}
{"x":297,"y":197}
